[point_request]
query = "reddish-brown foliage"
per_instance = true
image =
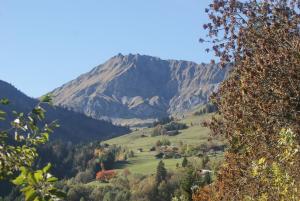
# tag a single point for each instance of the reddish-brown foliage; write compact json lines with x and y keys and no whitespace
{"x":203,"y":194}
{"x":105,"y":175}
{"x":261,"y":96}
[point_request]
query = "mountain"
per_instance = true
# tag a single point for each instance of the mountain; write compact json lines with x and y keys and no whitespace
{"x":140,"y":87}
{"x":74,"y":127}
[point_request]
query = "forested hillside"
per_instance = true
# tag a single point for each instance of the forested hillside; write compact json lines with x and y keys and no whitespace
{"x":74,"y":127}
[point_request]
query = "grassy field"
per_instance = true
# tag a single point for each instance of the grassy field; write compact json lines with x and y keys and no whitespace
{"x":145,"y":162}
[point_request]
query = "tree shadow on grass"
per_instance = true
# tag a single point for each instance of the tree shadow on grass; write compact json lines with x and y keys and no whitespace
{"x":121,"y":164}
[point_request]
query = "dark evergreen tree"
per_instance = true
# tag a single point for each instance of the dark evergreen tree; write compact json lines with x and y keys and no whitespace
{"x":207,"y":179}
{"x":186,"y":184}
{"x":184,"y":162}
{"x":161,"y":172}
{"x":205,"y":161}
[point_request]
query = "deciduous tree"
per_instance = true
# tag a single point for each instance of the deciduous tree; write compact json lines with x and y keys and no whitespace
{"x":260,"y":98}
{"x":18,"y":151}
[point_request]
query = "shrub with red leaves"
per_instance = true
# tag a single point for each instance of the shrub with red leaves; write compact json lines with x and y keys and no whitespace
{"x":105,"y":175}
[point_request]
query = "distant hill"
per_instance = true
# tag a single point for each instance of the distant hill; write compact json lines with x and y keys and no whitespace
{"x":140,"y":87}
{"x":74,"y":127}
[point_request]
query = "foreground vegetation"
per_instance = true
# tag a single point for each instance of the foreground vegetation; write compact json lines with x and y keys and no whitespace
{"x":259,"y":102}
{"x":18,"y":152}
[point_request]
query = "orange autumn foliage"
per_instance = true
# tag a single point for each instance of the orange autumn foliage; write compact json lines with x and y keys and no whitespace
{"x":105,"y":175}
{"x":202,"y":194}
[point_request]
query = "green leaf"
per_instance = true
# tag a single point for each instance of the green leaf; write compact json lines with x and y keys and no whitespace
{"x":24,"y":170}
{"x":57,"y":193}
{"x":38,"y":199}
{"x":46,"y":98}
{"x":31,"y":179}
{"x":55,"y":124}
{"x":30,"y":195}
{"x":19,"y":180}
{"x":38,"y":175}
{"x":46,"y":136}
{"x":39,"y":111}
{"x":47,"y":168}
{"x":4,"y":101}
{"x":52,"y":179}
{"x":27,"y":188}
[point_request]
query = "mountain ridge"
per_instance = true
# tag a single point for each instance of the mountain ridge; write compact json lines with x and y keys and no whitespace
{"x":140,"y":86}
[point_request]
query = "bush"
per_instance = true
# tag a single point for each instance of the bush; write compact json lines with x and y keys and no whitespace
{"x":207,"y":108}
{"x":105,"y":175}
{"x":84,"y":177}
{"x":163,"y":142}
{"x":158,"y":130}
{"x":163,"y":121}
{"x":154,"y":148}
{"x":175,"y":126}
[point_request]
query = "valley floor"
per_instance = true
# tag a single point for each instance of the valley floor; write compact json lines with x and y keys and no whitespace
{"x":140,"y":142}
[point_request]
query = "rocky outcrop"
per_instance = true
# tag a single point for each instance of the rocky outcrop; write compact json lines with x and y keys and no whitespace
{"x":139,"y":86}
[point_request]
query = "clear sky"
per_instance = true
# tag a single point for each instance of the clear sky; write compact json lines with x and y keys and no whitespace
{"x":45,"y":43}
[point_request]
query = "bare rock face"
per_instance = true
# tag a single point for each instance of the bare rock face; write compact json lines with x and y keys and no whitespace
{"x":142,"y":87}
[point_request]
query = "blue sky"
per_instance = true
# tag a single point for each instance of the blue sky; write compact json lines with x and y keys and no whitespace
{"x":47,"y":43}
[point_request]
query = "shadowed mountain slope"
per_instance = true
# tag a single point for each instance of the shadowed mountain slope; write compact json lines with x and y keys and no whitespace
{"x":74,"y":127}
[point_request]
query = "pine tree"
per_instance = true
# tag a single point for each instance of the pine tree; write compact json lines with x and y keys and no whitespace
{"x":205,"y":161}
{"x":186,"y":183}
{"x":161,"y":172}
{"x":184,"y":162}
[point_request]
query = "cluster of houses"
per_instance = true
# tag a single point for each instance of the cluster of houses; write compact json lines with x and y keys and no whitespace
{"x":168,"y":152}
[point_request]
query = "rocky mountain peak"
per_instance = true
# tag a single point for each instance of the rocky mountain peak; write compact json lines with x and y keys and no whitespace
{"x":138,"y":86}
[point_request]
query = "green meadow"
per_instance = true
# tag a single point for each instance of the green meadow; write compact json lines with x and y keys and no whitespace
{"x":144,"y":162}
